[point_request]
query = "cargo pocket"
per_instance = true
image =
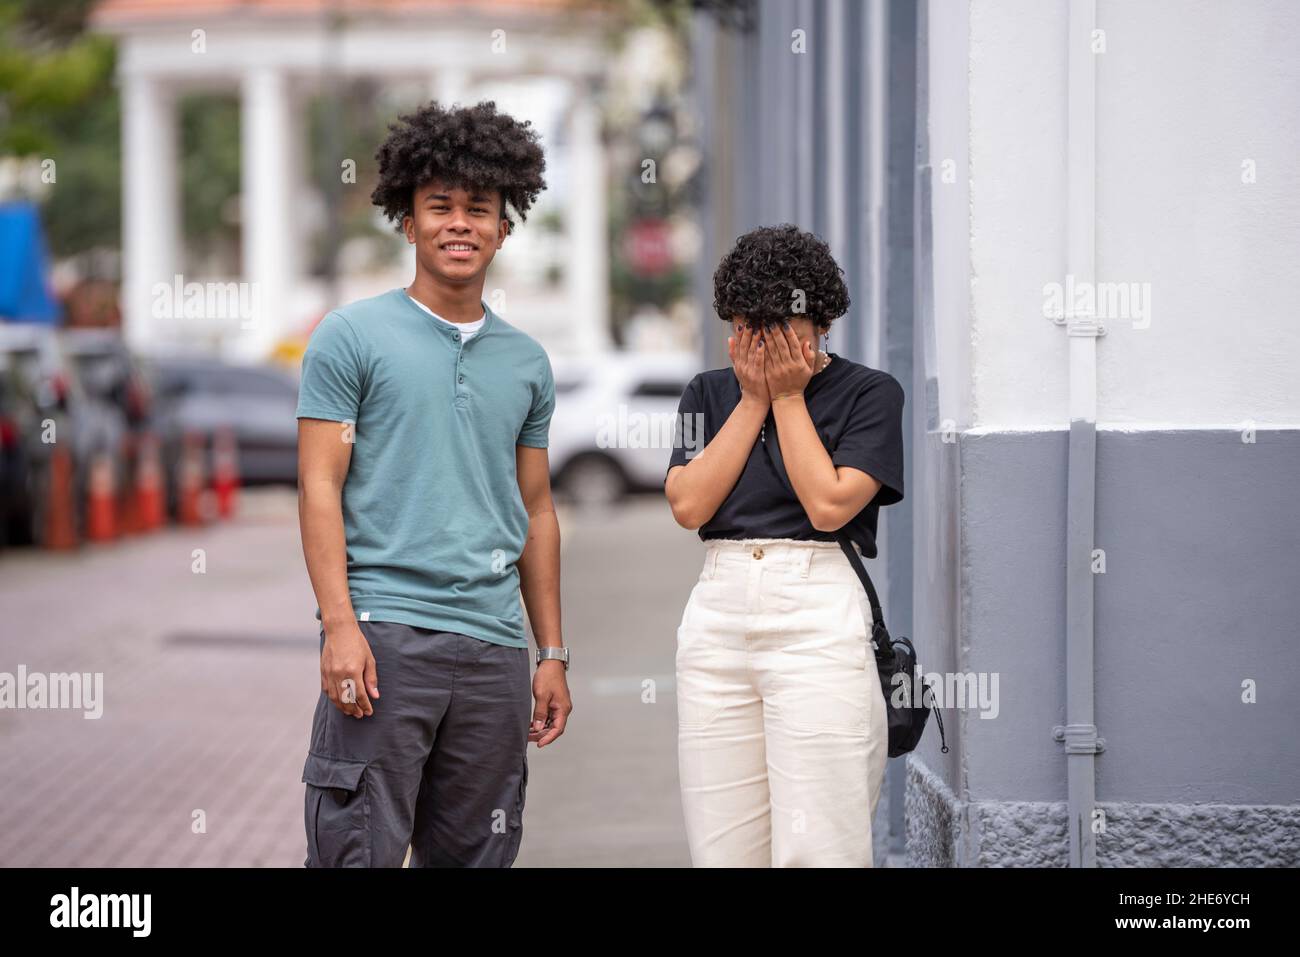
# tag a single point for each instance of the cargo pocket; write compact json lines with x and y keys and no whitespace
{"x":338,"y":812}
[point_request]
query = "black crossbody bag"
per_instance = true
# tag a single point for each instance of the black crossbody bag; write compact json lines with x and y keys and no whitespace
{"x":894,"y":656}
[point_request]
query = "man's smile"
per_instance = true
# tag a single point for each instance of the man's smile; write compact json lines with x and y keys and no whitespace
{"x":459,"y":249}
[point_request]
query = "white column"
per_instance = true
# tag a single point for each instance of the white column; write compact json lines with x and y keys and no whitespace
{"x":449,"y":87}
{"x":587,"y":270}
{"x":150,"y":208}
{"x":264,"y":174}
{"x":298,"y":174}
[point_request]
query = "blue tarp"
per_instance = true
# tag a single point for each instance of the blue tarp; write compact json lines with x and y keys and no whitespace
{"x":24,"y":292}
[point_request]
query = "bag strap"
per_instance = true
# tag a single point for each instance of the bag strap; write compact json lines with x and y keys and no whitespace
{"x":879,"y":631}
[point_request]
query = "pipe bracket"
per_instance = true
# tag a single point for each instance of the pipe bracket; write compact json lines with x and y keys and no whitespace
{"x":1085,"y":326}
{"x":1079,"y":738}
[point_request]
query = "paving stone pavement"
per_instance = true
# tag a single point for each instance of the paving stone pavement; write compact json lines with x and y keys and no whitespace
{"x":210,"y":680}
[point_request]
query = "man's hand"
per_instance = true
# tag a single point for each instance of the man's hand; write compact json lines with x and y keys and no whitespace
{"x":347,"y":656}
{"x":552,"y":703}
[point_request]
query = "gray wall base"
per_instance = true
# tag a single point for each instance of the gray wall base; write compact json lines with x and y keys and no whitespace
{"x":943,"y":831}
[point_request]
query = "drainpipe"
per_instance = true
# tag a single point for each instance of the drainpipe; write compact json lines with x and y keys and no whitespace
{"x":1079,"y":734}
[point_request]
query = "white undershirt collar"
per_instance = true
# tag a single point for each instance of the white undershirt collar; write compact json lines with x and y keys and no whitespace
{"x":467,"y":329}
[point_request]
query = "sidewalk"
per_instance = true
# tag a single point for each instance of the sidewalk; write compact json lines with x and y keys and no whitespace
{"x":210,"y":680}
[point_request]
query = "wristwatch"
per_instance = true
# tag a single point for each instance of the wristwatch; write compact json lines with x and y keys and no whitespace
{"x":561,"y":653}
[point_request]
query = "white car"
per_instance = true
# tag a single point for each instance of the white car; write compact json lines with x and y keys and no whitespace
{"x":613,"y":427}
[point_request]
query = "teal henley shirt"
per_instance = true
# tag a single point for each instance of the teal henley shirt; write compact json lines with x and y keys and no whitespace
{"x":432,"y":513}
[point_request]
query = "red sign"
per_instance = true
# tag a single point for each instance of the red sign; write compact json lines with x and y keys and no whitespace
{"x":647,"y":246}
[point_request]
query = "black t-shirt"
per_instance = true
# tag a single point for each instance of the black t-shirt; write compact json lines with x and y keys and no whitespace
{"x":858,"y":411}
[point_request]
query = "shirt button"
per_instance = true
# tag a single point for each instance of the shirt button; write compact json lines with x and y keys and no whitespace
{"x":455,"y":335}
{"x":460,"y":378}
{"x":758,"y":551}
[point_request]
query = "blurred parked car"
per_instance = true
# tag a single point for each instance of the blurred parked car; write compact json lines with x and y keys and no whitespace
{"x":15,"y":496}
{"x":613,"y":426}
{"x":46,"y":405}
{"x":109,"y":373}
{"x":203,"y":396}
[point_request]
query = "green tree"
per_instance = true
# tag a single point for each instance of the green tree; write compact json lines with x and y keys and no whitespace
{"x":57,"y":103}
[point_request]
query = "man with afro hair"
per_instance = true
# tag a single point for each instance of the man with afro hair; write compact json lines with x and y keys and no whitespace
{"x":425,"y":508}
{"x":782,"y":726}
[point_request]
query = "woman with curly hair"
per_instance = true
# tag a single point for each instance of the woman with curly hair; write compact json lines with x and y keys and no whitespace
{"x":425,"y":508}
{"x":782,"y":734}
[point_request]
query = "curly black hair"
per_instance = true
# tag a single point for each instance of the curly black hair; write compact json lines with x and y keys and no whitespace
{"x":759,"y":278}
{"x":470,"y":147}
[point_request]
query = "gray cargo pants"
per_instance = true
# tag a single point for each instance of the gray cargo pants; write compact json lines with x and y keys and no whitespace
{"x":442,"y":764}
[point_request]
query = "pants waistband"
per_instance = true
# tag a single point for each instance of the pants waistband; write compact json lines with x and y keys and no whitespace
{"x":748,"y":544}
{"x":781,"y":551}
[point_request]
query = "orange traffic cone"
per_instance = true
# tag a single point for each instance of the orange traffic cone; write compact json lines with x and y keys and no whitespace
{"x":101,"y":500}
{"x":149,"y":509}
{"x":60,"y":526}
{"x":191,"y":509}
{"x":225,"y":471}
